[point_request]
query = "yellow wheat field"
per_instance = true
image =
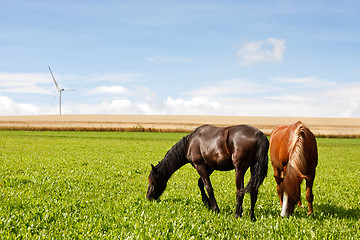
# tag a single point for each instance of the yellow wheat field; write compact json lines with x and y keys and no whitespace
{"x":328,"y":127}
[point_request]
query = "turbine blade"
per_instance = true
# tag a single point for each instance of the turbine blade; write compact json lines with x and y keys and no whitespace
{"x":53,"y":78}
{"x":57,"y":92}
{"x":68,"y":89}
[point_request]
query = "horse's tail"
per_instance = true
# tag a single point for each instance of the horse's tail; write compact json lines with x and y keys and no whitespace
{"x":260,"y":168}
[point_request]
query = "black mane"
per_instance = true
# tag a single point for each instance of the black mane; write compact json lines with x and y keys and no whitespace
{"x":173,"y":159}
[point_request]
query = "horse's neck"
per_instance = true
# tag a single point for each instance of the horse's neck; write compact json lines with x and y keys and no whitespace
{"x":174,"y":159}
{"x":170,"y":165}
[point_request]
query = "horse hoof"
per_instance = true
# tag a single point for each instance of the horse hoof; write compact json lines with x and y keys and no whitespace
{"x":216,"y":210}
{"x":253,"y":218}
{"x":237,"y":215}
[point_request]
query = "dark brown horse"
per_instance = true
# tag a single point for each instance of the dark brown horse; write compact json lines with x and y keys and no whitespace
{"x":211,"y":148}
{"x":294,"y":156}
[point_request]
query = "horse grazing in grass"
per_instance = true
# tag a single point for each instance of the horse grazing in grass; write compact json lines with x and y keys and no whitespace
{"x":211,"y":148}
{"x":294,"y":156}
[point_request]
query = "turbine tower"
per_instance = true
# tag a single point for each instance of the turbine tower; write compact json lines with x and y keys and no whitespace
{"x":59,"y":90}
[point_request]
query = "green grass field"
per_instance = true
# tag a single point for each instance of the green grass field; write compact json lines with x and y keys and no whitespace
{"x":82,"y":185}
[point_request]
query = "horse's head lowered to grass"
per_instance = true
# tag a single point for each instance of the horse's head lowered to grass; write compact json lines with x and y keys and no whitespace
{"x":157,"y":184}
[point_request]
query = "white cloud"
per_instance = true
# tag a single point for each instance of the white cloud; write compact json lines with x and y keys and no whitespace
{"x":193,"y":106}
{"x":145,"y":93}
{"x":26,"y":83}
{"x":169,"y":59}
{"x":117,"y":106}
{"x":116,"y":89}
{"x":271,"y":50}
{"x":228,"y":106}
{"x":170,"y":106}
{"x":345,"y":98}
{"x":344,"y":90}
{"x":281,"y":96}
{"x":290,"y":98}
{"x":112,"y":77}
{"x":9,"y":107}
{"x":284,"y":105}
{"x":310,"y":81}
{"x":234,"y":87}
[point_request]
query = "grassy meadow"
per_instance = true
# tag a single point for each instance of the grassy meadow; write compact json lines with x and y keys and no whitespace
{"x":82,"y":185}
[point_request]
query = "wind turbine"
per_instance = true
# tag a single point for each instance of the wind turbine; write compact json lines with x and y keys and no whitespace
{"x":59,"y":89}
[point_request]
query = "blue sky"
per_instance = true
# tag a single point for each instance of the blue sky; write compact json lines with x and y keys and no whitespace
{"x":239,"y":58}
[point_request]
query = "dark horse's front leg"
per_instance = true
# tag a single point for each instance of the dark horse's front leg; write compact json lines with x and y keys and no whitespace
{"x":204,"y":197}
{"x":204,"y":181}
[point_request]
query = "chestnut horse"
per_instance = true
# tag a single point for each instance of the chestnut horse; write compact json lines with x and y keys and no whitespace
{"x":211,"y":148}
{"x":294,"y":156}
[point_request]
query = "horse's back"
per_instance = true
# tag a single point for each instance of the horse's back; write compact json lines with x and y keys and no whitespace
{"x":217,"y":146}
{"x":244,"y":139}
{"x":283,"y":140}
{"x":224,"y":135}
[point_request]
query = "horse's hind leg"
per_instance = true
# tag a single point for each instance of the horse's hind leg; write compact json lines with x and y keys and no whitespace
{"x":309,"y":194}
{"x":239,"y":195}
{"x":204,"y":197}
{"x":253,"y":195}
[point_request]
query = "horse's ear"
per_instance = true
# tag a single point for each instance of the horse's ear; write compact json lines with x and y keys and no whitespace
{"x":152,"y":167}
